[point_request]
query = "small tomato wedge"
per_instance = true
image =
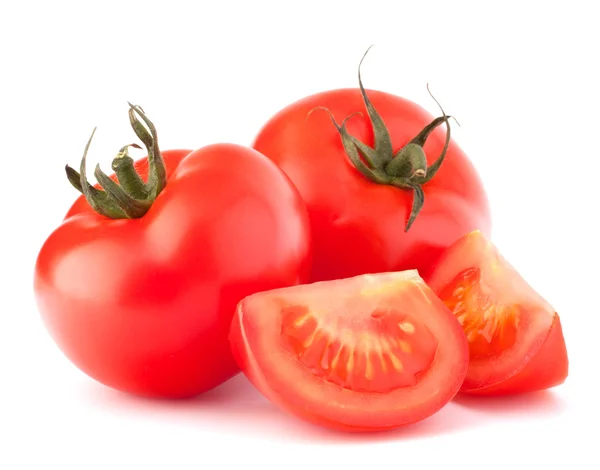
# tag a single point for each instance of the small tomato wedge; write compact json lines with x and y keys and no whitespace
{"x":515,"y":337}
{"x":366,"y":353}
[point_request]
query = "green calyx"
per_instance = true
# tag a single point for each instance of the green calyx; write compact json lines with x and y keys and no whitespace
{"x":131,"y":197}
{"x":407,"y":168}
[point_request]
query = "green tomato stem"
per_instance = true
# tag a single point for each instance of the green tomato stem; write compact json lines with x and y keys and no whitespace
{"x":407,"y":169}
{"x":132,"y":197}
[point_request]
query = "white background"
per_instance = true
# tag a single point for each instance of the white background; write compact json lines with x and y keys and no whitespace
{"x":521,"y":77}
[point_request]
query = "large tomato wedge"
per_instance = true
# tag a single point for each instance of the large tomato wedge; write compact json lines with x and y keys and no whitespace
{"x":370,"y":352}
{"x":515,"y":337}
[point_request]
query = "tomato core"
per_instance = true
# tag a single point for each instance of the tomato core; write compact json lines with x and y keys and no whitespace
{"x":491,"y":327}
{"x":379,"y":352}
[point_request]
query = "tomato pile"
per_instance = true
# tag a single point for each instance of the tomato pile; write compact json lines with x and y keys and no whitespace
{"x":343,"y":262}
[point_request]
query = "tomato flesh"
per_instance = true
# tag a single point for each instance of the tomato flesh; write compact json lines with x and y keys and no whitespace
{"x":364,"y":353}
{"x":383,"y":353}
{"x":490,"y":328}
{"x":507,"y":324}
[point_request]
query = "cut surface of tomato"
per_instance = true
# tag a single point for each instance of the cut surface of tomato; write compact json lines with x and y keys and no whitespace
{"x":515,"y":336}
{"x":365,"y":353}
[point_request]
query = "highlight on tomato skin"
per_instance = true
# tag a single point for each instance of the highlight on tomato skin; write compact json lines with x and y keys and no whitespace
{"x":367,"y":353}
{"x":515,"y":337}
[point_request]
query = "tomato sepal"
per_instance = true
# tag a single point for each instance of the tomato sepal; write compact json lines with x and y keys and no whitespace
{"x":407,"y":169}
{"x":132,"y":198}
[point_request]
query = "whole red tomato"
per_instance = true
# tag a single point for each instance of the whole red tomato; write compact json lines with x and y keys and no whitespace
{"x":140,"y":290}
{"x":386,"y":190}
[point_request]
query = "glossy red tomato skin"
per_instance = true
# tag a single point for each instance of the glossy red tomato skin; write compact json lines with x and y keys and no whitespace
{"x":359,"y":226}
{"x":144,"y":306}
{"x":548,"y":368}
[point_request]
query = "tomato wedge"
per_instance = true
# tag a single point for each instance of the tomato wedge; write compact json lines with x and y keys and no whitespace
{"x":515,"y":337}
{"x":366,"y":353}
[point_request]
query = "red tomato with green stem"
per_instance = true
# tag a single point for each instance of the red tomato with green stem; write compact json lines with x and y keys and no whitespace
{"x":515,"y":336}
{"x":367,"y":353}
{"x":386,"y":189}
{"x":139,"y":283}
